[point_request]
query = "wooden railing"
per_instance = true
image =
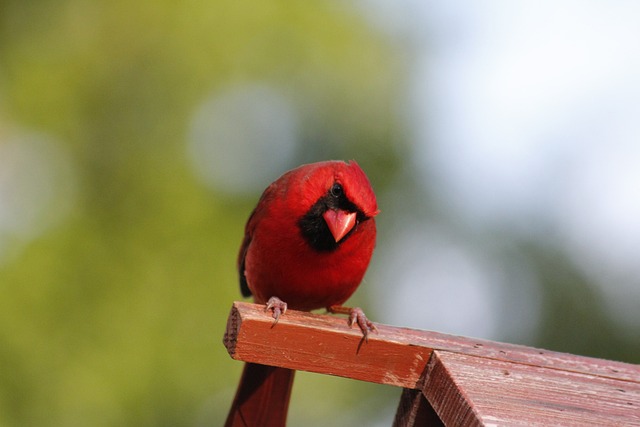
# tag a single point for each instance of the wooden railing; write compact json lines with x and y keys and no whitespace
{"x":446,"y":380}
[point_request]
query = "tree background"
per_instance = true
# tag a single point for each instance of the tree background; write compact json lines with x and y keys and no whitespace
{"x":135,"y":139}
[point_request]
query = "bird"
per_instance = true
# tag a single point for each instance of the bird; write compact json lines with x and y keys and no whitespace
{"x":307,"y":245}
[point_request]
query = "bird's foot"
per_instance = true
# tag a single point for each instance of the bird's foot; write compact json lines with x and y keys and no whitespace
{"x":356,"y":316}
{"x":278,"y":307}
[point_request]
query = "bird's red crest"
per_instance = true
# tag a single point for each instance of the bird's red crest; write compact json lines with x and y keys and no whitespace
{"x":318,"y":178}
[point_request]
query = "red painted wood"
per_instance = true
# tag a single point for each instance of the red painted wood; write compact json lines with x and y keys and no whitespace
{"x":471,"y":390}
{"x":415,"y":411}
{"x":323,"y":344}
{"x":467,"y":381}
{"x":298,"y":335}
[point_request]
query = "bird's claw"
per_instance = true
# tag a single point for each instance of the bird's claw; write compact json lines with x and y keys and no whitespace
{"x":357,"y":316}
{"x":278,"y":307}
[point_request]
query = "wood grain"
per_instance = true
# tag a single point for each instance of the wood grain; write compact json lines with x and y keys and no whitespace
{"x":323,"y":344}
{"x":466,"y":381}
{"x":415,"y":411}
{"x":471,"y":390}
{"x":324,"y":339}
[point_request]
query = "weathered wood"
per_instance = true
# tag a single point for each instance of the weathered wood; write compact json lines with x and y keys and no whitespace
{"x":471,"y":390}
{"x":466,"y":381}
{"x":415,"y":411}
{"x":323,"y":344}
{"x":398,"y":356}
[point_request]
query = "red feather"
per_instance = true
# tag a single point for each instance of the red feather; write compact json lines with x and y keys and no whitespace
{"x":308,"y":242}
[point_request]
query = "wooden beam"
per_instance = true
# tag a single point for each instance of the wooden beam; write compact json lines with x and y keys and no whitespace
{"x":471,"y":390}
{"x":394,"y":356}
{"x":415,"y":411}
{"x":323,"y":344}
{"x":465,"y":381}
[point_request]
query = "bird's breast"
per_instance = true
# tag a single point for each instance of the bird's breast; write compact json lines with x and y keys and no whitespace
{"x":306,"y":279}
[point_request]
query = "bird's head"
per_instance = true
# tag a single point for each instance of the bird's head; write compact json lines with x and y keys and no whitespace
{"x":336,"y":197}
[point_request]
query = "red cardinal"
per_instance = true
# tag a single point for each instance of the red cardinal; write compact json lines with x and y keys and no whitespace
{"x":306,"y":246}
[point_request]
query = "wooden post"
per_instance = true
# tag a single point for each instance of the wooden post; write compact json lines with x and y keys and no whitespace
{"x":415,"y":411}
{"x":464,"y":381}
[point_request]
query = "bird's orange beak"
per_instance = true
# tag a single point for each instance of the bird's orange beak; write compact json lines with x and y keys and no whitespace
{"x":339,"y":222}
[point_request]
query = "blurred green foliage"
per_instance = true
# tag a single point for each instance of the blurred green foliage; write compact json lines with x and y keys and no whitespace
{"x":115,"y":316}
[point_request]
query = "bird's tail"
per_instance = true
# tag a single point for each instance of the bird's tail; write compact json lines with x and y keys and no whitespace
{"x":262,"y":398}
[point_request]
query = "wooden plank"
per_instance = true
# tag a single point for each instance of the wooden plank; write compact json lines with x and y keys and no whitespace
{"x":517,"y":353}
{"x":414,"y":410}
{"x":470,"y":390}
{"x":466,"y":381}
{"x":322,"y":344}
{"x":395,"y":356}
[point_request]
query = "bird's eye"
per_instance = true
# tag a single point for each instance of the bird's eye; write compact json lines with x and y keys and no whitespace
{"x":336,"y":190}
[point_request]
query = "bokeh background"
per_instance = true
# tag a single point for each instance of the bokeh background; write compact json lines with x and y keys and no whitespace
{"x":502,"y":139}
